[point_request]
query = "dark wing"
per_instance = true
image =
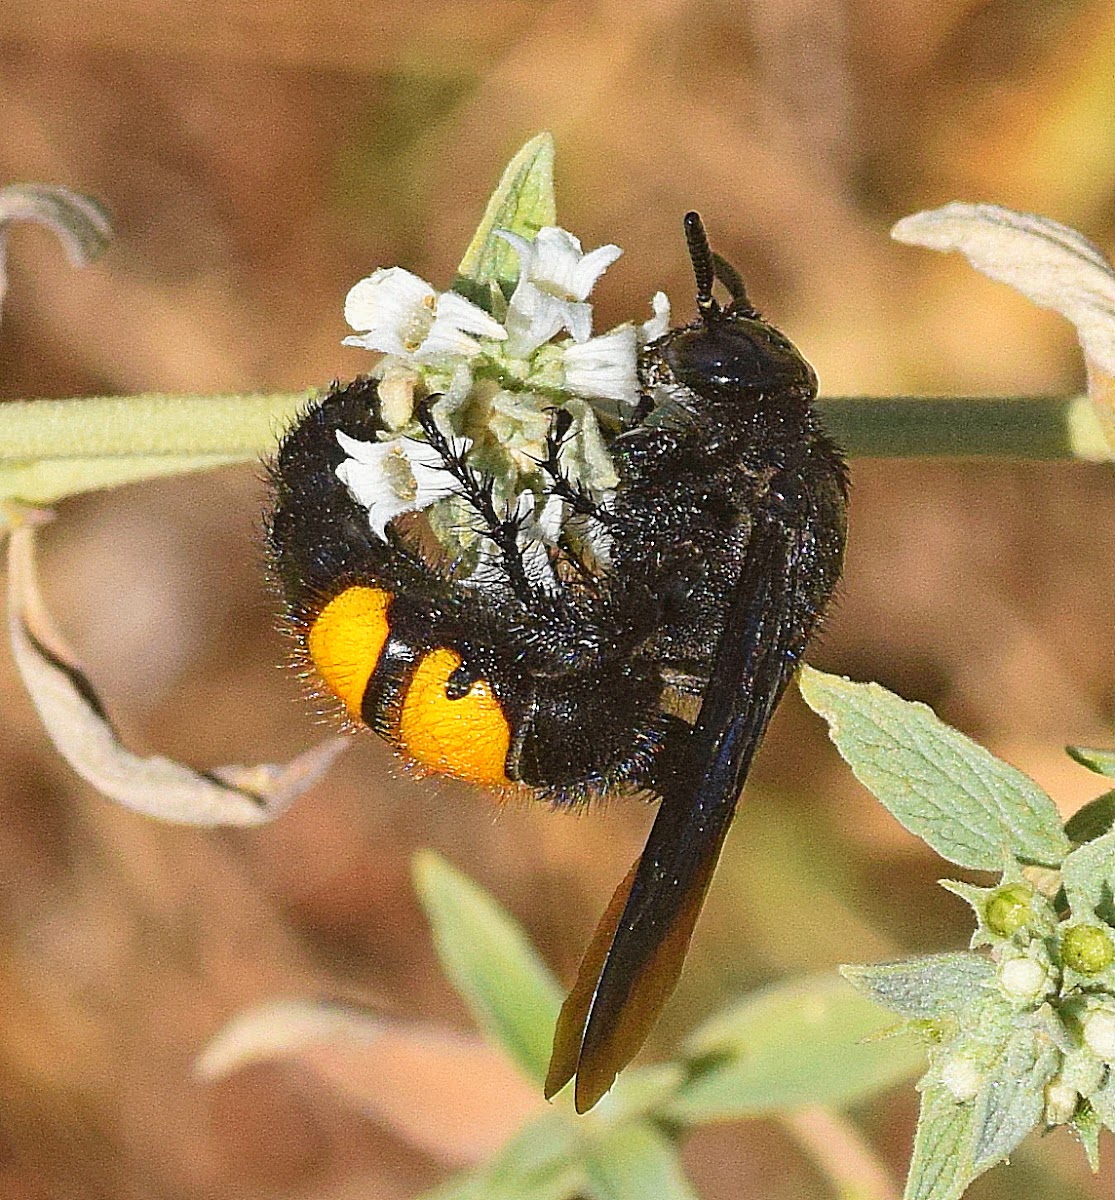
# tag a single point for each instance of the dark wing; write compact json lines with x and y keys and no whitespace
{"x":635,"y":957}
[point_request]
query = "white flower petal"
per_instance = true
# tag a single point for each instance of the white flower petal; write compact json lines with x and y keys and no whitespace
{"x":659,"y":324}
{"x":392,"y":310}
{"x":533,"y":317}
{"x":396,"y":312}
{"x":604,"y":367}
{"x":377,"y":476}
{"x":432,"y":477}
{"x":557,"y":254}
{"x":468,"y":317}
{"x":591,"y":267}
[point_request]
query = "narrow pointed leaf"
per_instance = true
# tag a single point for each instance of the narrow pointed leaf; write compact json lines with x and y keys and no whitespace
{"x":814,"y":1041}
{"x":1088,"y":875}
{"x":510,"y":992}
{"x":523,"y":202}
{"x":50,"y":449}
{"x":539,"y":1163}
{"x":76,"y":722}
{"x":970,"y":806}
{"x":1012,"y":1100}
{"x":635,"y":1162}
{"x":924,"y":988}
{"x":1096,"y":818}
{"x":1100,"y":761}
{"x":941,"y":1167}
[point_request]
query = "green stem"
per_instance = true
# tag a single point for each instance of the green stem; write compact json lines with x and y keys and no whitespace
{"x":55,"y":448}
{"x":1045,"y":427}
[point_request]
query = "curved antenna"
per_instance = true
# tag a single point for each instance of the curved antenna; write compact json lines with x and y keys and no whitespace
{"x":704,"y":263}
{"x":733,"y":281}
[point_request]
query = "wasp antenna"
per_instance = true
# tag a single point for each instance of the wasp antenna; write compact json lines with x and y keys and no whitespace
{"x":733,"y":281}
{"x":704,"y":264}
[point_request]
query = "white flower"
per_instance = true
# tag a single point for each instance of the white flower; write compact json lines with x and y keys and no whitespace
{"x":397,"y":476}
{"x":555,"y":278}
{"x":1024,"y":979}
{"x":398,"y":313}
{"x":1099,"y":1034}
{"x":604,"y":367}
{"x":961,"y":1076}
{"x":660,"y":322}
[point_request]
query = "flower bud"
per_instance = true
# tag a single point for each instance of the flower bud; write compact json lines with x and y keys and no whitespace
{"x":1099,"y":1034}
{"x":1008,"y":910}
{"x":1024,"y":979}
{"x":1061,"y":1099}
{"x":1087,"y":949}
{"x":961,"y":1076}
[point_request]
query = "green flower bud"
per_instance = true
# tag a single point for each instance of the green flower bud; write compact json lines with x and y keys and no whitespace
{"x":1087,"y":949}
{"x":1008,"y":910}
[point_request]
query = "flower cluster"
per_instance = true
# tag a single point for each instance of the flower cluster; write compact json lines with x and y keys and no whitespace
{"x":493,"y":382}
{"x":1021,"y":1029}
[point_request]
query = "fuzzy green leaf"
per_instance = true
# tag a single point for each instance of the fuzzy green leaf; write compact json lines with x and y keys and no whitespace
{"x":813,"y":1041}
{"x":1012,"y":1099}
{"x":508,"y":989}
{"x":1096,"y":818}
{"x":957,"y":1141}
{"x":537,"y":1164}
{"x":523,"y":202}
{"x":924,"y":988}
{"x":50,"y":449}
{"x":1100,"y":761}
{"x":970,"y":806}
{"x":633,"y":1161}
{"x":1088,"y":875}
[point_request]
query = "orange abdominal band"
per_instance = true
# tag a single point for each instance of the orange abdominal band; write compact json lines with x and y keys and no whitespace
{"x":467,"y":738}
{"x":346,"y":640}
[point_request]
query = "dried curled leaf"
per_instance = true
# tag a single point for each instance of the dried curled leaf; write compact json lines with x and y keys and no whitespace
{"x":77,"y":724}
{"x":447,"y":1093}
{"x":1047,"y":262}
{"x":79,"y":222}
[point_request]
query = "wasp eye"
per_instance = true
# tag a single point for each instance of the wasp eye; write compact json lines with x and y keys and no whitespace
{"x":346,"y":641}
{"x":456,"y":732}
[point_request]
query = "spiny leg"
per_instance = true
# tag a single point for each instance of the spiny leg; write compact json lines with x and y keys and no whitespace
{"x":503,"y":531}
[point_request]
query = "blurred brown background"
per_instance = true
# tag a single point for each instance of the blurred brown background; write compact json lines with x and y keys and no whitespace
{"x":261,"y":156}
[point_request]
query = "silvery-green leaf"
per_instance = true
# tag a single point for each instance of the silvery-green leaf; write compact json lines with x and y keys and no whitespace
{"x":1102,"y":1101}
{"x":1088,"y":875}
{"x":1047,"y":262}
{"x":50,"y":449}
{"x":927,"y":987}
{"x":1087,"y":1125}
{"x":941,"y":1167}
{"x":970,"y":806}
{"x":510,"y":992}
{"x":1100,"y":761}
{"x":1012,"y":1100}
{"x":634,"y":1161}
{"x":449,"y":1094}
{"x":76,"y":722}
{"x":1096,"y":818}
{"x":523,"y":202}
{"x":812,"y":1041}
{"x":539,"y":1163}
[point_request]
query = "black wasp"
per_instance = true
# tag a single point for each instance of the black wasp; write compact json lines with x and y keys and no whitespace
{"x":727,"y":535}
